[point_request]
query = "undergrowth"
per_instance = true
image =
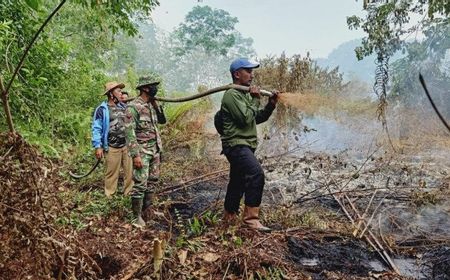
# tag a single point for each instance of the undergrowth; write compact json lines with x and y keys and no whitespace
{"x":90,"y":205}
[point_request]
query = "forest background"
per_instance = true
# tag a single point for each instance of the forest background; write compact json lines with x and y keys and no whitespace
{"x":88,"y":43}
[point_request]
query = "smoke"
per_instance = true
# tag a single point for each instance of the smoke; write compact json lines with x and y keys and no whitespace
{"x":430,"y":222}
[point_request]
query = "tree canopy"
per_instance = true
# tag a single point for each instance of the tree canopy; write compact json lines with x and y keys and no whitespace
{"x":66,"y":66}
{"x":212,"y":30}
{"x":388,"y":22}
{"x":387,"y":25}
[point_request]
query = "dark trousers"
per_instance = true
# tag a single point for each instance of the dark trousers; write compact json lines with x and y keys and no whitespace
{"x":246,"y":177}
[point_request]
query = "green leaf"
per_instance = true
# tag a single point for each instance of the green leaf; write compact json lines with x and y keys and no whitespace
{"x":34,"y":4}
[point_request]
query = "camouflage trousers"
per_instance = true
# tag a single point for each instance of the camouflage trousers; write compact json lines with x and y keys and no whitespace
{"x":146,"y":178}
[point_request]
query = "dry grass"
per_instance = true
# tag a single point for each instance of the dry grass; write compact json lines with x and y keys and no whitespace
{"x":32,"y":245}
{"x":297,"y":74}
{"x":417,"y":130}
{"x":311,"y":103}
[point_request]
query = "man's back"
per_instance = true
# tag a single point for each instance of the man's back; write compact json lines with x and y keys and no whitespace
{"x":239,"y":125}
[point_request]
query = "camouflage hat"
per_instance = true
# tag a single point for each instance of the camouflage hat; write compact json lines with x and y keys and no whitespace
{"x":148,"y":81}
{"x":110,"y":86}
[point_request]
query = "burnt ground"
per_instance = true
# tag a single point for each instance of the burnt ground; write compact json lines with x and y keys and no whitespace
{"x":332,"y":253}
{"x":55,"y":228}
{"x":198,"y":198}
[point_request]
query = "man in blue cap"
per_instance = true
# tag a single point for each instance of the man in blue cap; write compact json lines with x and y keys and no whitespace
{"x":240,"y":114}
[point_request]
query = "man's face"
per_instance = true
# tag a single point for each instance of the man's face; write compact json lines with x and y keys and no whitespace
{"x":123,"y":97}
{"x":244,"y":76}
{"x":151,"y":90}
{"x":117,"y":92}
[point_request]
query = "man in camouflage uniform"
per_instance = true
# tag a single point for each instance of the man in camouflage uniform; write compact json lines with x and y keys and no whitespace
{"x":144,"y":144}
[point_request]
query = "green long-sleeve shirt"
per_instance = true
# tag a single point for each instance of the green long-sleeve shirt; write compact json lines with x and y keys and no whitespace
{"x":241,"y":114}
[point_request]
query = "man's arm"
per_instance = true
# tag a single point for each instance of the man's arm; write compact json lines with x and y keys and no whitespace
{"x":240,"y":112}
{"x":264,"y":114}
{"x":161,"y":118}
{"x":160,"y":115}
{"x":97,"y":128}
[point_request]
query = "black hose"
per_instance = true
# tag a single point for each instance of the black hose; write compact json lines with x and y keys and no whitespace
{"x":79,"y":176}
{"x":206,"y":93}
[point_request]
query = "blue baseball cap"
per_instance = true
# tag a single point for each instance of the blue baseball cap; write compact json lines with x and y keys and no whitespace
{"x":242,"y":63}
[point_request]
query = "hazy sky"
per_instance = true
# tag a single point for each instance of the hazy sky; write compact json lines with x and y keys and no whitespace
{"x":294,"y":26}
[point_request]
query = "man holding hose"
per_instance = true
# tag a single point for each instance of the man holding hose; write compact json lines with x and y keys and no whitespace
{"x":240,"y":114}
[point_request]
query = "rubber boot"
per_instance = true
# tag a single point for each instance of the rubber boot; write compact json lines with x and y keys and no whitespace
{"x":136,"y":206}
{"x":147,"y":201}
{"x":251,"y":219}
{"x":146,"y":206}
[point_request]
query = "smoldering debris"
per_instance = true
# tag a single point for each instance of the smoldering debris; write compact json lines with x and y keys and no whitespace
{"x":438,"y":263}
{"x":332,"y":254}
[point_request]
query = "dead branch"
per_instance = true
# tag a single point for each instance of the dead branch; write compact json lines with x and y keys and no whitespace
{"x":7,"y":152}
{"x":192,"y":182}
{"x":355,"y":232}
{"x":80,"y":246}
{"x":422,"y":81}
{"x":374,"y":211}
{"x":375,"y":240}
{"x":226,"y":271}
{"x":343,"y":192}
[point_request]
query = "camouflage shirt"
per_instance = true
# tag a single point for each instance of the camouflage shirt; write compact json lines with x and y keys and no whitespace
{"x":141,"y":128}
{"x":116,"y":135}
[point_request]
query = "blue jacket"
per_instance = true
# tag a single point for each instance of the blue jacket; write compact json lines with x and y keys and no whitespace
{"x":100,"y":126}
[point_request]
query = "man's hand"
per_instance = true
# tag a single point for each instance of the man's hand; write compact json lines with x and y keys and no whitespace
{"x":254,"y":92}
{"x":137,"y":162}
{"x":153,"y":102}
{"x":274,"y":98}
{"x":99,"y":153}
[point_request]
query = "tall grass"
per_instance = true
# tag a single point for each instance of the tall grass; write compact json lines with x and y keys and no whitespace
{"x":297,"y":74}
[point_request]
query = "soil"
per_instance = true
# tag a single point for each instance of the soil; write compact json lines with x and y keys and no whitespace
{"x":198,"y":198}
{"x":332,"y":253}
{"x":312,"y":237}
